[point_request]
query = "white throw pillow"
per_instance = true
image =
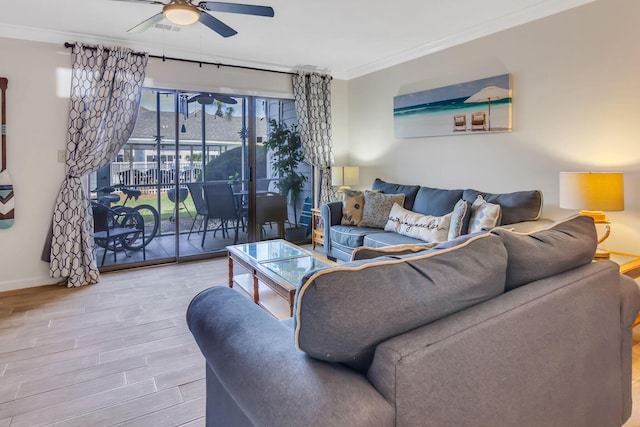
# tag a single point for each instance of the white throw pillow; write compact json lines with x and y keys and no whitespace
{"x":484,"y":215}
{"x":460,"y":218}
{"x":424,"y":227}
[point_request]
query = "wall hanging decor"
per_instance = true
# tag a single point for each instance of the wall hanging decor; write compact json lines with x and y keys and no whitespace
{"x":7,"y":201}
{"x":478,"y":106}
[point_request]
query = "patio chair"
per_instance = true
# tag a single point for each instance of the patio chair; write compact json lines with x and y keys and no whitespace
{"x":195,"y":189}
{"x":271,"y":207}
{"x":459,"y":122}
{"x":221,"y":205}
{"x":479,"y":121}
{"x":108,"y":234}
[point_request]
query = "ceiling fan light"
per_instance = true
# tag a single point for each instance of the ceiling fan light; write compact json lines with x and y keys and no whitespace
{"x":181,"y":14}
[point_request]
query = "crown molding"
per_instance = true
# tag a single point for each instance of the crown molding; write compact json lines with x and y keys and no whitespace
{"x":60,"y":37}
{"x":541,"y":10}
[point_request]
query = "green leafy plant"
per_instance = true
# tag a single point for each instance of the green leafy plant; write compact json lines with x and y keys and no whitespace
{"x":284,"y":141}
{"x":234,"y":178}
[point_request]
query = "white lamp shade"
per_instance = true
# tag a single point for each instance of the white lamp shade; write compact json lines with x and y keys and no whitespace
{"x":594,"y":191}
{"x":337,"y":177}
{"x":345,"y":175}
{"x":351,"y":175}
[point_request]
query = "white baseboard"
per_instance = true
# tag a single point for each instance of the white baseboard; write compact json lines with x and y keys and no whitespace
{"x":31,"y":282}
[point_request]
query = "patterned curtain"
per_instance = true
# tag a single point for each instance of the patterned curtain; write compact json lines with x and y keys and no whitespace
{"x":106,"y":88}
{"x":313,"y":105}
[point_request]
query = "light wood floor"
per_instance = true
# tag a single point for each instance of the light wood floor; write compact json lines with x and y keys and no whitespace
{"x":117,"y":353}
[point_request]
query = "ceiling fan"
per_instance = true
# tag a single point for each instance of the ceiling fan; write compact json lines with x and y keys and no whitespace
{"x":184,"y":12}
{"x":204,"y":99}
{"x":209,"y":98}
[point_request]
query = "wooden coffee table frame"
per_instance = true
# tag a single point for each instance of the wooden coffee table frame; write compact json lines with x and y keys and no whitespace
{"x":257,"y":272}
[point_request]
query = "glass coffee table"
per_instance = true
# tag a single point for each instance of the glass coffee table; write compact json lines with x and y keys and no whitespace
{"x":278,"y":264}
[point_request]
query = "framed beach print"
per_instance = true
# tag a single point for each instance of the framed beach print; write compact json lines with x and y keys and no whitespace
{"x":478,"y":106}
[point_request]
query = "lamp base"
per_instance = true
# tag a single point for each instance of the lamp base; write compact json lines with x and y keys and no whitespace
{"x":599,"y":217}
{"x":343,"y":188}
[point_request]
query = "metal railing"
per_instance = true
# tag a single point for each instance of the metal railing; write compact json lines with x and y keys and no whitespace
{"x":147,"y":176}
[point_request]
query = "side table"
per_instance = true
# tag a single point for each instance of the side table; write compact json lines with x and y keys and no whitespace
{"x":629,"y":266}
{"x":317,"y":228}
{"x":629,"y":263}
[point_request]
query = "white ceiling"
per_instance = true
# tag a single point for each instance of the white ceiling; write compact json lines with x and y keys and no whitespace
{"x":346,"y":38}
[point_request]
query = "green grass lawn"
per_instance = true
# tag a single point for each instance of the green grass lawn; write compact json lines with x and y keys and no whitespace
{"x":166,"y":205}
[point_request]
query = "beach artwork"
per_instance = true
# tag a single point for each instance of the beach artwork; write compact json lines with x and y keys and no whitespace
{"x":474,"y":107}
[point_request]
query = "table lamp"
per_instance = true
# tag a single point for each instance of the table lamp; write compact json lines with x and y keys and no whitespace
{"x":593,"y":193}
{"x":344,"y":177}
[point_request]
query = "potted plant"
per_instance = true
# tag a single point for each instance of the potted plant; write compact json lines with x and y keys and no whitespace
{"x":284,"y":141}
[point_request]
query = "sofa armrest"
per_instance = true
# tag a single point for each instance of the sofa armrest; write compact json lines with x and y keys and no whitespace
{"x":331,"y":215}
{"x":629,"y":301}
{"x":629,"y":307}
{"x":254,"y":358}
{"x":530,"y":349}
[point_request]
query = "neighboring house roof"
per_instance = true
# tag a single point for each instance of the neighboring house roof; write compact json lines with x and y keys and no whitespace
{"x":218,"y":129}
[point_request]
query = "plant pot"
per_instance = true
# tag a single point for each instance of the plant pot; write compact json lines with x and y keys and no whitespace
{"x":295,"y":234}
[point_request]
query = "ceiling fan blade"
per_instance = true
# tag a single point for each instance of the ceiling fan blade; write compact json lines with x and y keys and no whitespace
{"x":246,"y":9}
{"x":224,"y":99}
{"x":209,"y":98}
{"x":216,"y":25}
{"x":146,"y":24}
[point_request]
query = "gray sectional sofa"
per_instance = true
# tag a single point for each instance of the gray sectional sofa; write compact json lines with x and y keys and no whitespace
{"x":522,"y":208}
{"x":493,"y":329}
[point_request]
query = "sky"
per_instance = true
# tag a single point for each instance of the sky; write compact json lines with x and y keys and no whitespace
{"x":461,"y":90}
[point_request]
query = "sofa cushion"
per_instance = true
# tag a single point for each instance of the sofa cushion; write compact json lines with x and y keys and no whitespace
{"x":436,"y":201}
{"x":377,"y":207}
{"x":483,"y":215}
{"x":564,"y":245}
{"x":350,"y":236}
{"x":459,"y":219}
{"x":516,"y":207}
{"x":380,"y":240}
{"x":409,"y":191}
{"x":424,"y":227}
{"x":342,"y":313}
{"x":352,"y":207}
{"x":365,"y":252}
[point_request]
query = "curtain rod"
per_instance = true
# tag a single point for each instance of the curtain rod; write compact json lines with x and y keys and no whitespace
{"x":165,"y":58}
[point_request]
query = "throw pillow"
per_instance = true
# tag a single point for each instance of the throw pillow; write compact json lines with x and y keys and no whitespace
{"x":483,"y":215}
{"x":424,"y":227}
{"x":377,"y":207}
{"x":342,"y":313}
{"x":459,"y":219}
{"x":352,"y":207}
{"x":564,"y":245}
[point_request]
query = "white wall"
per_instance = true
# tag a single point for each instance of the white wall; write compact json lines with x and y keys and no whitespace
{"x":576,"y":86}
{"x":37,"y":115}
{"x":340,"y":121}
{"x":37,"y":118}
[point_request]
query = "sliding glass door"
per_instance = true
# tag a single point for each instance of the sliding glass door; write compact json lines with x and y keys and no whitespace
{"x":200,"y":161}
